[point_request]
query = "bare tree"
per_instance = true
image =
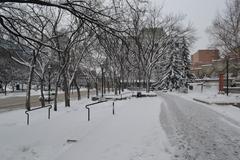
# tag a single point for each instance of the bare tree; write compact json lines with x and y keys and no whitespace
{"x":31,"y":22}
{"x":225,"y":29}
{"x":77,"y":54}
{"x":151,"y":33}
{"x":94,"y":14}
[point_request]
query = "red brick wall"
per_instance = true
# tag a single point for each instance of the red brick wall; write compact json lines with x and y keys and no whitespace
{"x":204,"y":57}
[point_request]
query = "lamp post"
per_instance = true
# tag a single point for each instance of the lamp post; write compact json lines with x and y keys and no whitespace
{"x":102,"y":79}
{"x":227,"y":73}
{"x":49,"y":83}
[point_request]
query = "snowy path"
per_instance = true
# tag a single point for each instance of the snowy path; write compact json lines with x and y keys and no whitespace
{"x":134,"y":133}
{"x":197,"y":132}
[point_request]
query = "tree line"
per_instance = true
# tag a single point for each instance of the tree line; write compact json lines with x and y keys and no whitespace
{"x":119,"y":41}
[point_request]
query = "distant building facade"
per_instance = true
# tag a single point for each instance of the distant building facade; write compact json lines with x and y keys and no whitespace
{"x":208,"y":63}
{"x":203,"y":57}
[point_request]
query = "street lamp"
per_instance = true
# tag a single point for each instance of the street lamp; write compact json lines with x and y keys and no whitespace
{"x":49,"y":83}
{"x":102,"y":79}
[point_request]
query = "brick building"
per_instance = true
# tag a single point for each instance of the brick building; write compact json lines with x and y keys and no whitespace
{"x":204,"y":57}
{"x":207,"y":63}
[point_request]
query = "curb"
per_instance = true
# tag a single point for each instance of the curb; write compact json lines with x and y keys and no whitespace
{"x":198,"y":100}
{"x":217,"y":103}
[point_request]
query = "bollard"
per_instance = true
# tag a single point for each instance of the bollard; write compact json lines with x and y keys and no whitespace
{"x":88,"y":114}
{"x":113,"y":110}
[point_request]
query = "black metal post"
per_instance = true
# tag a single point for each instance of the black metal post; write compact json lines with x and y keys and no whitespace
{"x":49,"y":87}
{"x":102,"y":80}
{"x":88,"y":114}
{"x":49,"y":109}
{"x":227,"y":74}
{"x":26,"y":112}
{"x":49,"y":84}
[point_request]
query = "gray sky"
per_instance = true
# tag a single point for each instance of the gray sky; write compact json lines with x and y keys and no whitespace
{"x":199,"y":12}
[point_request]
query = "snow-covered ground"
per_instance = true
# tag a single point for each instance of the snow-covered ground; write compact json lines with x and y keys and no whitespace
{"x":170,"y":126}
{"x":209,"y":94}
{"x":133,"y":133}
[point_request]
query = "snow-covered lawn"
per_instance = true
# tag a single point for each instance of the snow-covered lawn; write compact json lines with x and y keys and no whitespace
{"x":18,"y":94}
{"x":134,"y":132}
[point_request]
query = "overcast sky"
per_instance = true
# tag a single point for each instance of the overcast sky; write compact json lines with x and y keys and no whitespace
{"x":199,"y":12}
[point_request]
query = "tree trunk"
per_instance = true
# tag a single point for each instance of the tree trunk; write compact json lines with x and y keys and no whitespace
{"x":115,"y":84}
{"x":119,"y":85}
{"x":22,"y":87}
{"x":78,"y":89}
{"x":41,"y":90}
{"x":88,"y":90}
{"x":96,"y":87}
{"x":121,"y":80}
{"x":72,"y":88}
{"x":112,"y":80}
{"x":56,"y":92}
{"x":104,"y":82}
{"x":13,"y":89}
{"x":123,"y":84}
{"x":55,"y":96}
{"x":108,"y":86}
{"x":28,"y":94}
{"x":139,"y":78}
{"x":148,"y":78}
{"x":147,"y":86}
{"x":66,"y":90}
{"x":30,"y":78}
{"x":139,"y":82}
{"x":5,"y":89}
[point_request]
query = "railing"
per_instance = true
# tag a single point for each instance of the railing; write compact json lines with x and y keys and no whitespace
{"x":113,"y":105}
{"x":87,"y":107}
{"x":27,"y":112}
{"x":120,"y":96}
